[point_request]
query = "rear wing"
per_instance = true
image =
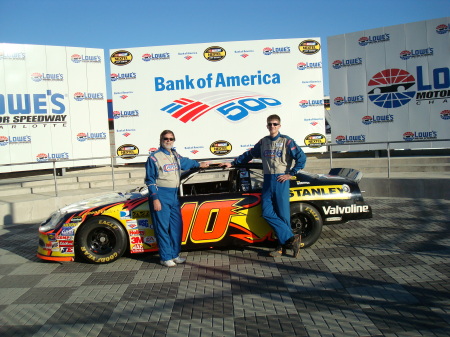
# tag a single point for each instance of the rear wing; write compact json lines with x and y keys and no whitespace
{"x":348,"y":173}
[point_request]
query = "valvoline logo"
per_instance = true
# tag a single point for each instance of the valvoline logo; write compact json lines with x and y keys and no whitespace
{"x":234,"y":106}
{"x":445,"y":114}
{"x":442,"y":29}
{"x":389,"y":88}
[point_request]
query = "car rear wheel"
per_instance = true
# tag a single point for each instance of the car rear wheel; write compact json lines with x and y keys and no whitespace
{"x":307,"y":221}
{"x":101,"y":240}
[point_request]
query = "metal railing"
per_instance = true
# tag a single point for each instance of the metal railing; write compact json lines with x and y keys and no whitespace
{"x":113,"y":163}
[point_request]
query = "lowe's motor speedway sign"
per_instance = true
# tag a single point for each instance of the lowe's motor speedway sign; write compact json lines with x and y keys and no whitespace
{"x":52,"y":106}
{"x":215,"y":97}
{"x":391,"y":84}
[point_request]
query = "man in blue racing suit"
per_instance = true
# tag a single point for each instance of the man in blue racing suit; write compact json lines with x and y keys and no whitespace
{"x":162,"y":176}
{"x":277,"y":152}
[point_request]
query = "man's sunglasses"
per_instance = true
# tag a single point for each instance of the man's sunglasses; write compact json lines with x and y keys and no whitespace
{"x":171,"y":139}
{"x":273,"y":124}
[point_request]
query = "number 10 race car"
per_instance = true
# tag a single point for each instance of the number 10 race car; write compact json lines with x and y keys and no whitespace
{"x":220,"y":207}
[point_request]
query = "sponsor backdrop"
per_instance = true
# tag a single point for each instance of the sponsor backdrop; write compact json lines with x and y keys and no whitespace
{"x":216,"y":96}
{"x":391,"y":84}
{"x":52,"y":106}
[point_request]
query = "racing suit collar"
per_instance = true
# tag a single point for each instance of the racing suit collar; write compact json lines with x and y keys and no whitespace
{"x":164,"y":150}
{"x":276,"y":137}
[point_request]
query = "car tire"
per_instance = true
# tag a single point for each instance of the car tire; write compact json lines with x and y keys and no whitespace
{"x":307,"y":221}
{"x":101,"y":240}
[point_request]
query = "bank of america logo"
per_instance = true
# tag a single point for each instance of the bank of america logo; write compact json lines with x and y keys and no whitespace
{"x":233,"y":105}
{"x":185,"y":109}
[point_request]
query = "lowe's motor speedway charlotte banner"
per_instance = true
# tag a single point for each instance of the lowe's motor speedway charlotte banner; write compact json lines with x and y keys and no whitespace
{"x":216,"y":97}
{"x":52,"y":106}
{"x":391,"y":84}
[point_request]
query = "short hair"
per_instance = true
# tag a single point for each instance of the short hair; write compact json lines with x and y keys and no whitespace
{"x":272,"y":117}
{"x":165,"y":132}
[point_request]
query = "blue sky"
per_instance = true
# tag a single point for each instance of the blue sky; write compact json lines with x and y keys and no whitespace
{"x":112,"y":24}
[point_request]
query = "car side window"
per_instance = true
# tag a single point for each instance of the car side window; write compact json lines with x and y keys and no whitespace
{"x":207,"y":182}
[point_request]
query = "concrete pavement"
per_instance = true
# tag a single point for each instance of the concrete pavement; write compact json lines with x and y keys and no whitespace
{"x":387,"y":276}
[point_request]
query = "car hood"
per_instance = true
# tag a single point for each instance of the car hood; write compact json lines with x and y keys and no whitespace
{"x":103,"y":199}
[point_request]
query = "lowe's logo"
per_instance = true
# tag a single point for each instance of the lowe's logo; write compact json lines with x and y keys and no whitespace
{"x":26,"y":104}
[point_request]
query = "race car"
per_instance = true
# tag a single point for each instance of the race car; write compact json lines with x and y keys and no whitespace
{"x":220,"y":207}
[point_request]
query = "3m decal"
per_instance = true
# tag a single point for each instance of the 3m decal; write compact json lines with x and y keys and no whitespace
{"x":134,"y":240}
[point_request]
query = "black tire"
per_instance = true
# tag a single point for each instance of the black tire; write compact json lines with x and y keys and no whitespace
{"x":101,"y":240}
{"x":307,"y":221}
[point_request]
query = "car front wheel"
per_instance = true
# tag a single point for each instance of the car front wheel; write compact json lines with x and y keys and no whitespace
{"x":101,"y":240}
{"x":307,"y":221}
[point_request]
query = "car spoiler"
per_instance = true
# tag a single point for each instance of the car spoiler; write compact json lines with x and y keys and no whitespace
{"x":348,"y":173}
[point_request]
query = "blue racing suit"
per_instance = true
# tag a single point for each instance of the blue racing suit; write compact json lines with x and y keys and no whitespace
{"x":277,"y":155}
{"x":162,"y":176}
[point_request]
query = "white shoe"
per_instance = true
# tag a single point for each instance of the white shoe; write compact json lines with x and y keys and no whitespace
{"x":168,"y":263}
{"x":179,"y":260}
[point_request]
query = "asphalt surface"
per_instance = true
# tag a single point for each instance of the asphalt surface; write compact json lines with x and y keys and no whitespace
{"x":387,"y":276}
